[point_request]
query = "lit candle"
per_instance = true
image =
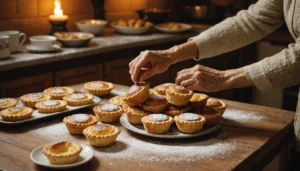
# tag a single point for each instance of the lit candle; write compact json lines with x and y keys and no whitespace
{"x":58,"y":13}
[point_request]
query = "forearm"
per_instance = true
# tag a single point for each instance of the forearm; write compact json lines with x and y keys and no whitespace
{"x":235,"y":78}
{"x":183,"y":52}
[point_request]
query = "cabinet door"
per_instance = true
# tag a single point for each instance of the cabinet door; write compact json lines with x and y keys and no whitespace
{"x":117,"y":71}
{"x":79,"y":75}
{"x":19,"y":87}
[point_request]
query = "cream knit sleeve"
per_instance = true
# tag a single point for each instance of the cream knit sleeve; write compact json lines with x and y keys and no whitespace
{"x":278,"y":71}
{"x":246,"y":27}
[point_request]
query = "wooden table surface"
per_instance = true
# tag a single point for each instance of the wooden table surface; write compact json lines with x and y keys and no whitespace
{"x":249,"y":138}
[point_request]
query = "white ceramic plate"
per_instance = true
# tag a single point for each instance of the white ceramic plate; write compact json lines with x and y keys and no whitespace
{"x":173,"y":132}
{"x":130,"y":30}
{"x":186,"y":27}
{"x":37,"y":115}
{"x":39,"y":158}
{"x":33,"y":48}
{"x":76,"y":43}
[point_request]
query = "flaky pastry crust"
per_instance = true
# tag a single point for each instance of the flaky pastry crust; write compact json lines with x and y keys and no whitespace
{"x":136,"y":94}
{"x":64,"y":152}
{"x":101,"y":135}
{"x":117,"y":100}
{"x":155,"y":104}
{"x":162,"y":88}
{"x":78,"y":99}
{"x":108,"y":112}
{"x":134,"y":114}
{"x":58,"y":93}
{"x":78,"y":122}
{"x":216,"y":105}
{"x":178,"y":96}
{"x":56,"y":106}
{"x":189,"y":122}
{"x":99,"y":88}
{"x":7,"y":102}
{"x":31,"y":99}
{"x":157,"y":123}
{"x":198,"y":100}
{"x":16,"y":113}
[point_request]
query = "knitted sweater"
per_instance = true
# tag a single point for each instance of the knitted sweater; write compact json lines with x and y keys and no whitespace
{"x":281,"y":69}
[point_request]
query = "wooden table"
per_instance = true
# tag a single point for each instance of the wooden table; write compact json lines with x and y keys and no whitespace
{"x":249,"y":138}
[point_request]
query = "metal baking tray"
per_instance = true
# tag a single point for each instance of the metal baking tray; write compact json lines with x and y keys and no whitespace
{"x":37,"y":116}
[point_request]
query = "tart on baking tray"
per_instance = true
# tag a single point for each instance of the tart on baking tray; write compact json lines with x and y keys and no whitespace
{"x":157,"y":123}
{"x":31,"y":99}
{"x":64,"y":152}
{"x":78,"y":122}
{"x":101,"y":135}
{"x":78,"y":99}
{"x":178,"y":95}
{"x":136,"y":94}
{"x":51,"y":106}
{"x":7,"y":102}
{"x":99,"y":88}
{"x":58,"y":92}
{"x":16,"y":113}
{"x":189,"y":122}
{"x":155,"y":104}
{"x":108,"y":112}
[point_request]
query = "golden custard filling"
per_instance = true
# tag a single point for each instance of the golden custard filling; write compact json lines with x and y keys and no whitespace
{"x":50,"y":103}
{"x":16,"y":110}
{"x":102,"y":129}
{"x":35,"y":96}
{"x":63,"y":148}
{"x":180,"y":90}
{"x":156,"y":100}
{"x":213,"y":103}
{"x":58,"y":90}
{"x":3,"y":102}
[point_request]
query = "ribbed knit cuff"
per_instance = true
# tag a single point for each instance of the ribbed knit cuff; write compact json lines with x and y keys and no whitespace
{"x":255,"y":73}
{"x":204,"y":46}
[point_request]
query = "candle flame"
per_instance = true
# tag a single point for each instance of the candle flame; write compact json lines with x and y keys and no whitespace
{"x":57,"y":10}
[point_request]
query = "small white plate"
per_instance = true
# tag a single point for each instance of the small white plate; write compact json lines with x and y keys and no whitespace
{"x":186,"y":27}
{"x":33,"y":48}
{"x":39,"y":158}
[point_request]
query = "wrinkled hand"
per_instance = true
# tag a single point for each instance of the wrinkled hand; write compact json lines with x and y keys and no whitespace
{"x":201,"y":78}
{"x":155,"y":62}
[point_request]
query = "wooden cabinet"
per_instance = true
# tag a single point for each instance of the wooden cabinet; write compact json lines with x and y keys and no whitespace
{"x":79,"y":75}
{"x":15,"y":88}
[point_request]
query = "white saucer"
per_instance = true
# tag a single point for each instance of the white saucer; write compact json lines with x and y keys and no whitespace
{"x":33,"y":48}
{"x":39,"y":158}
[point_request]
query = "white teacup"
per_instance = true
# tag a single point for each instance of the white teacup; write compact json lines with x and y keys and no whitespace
{"x":14,"y":39}
{"x":4,"y":49}
{"x":43,"y":42}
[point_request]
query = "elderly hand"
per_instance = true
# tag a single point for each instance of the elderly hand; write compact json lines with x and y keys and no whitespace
{"x":149,"y":63}
{"x":201,"y":78}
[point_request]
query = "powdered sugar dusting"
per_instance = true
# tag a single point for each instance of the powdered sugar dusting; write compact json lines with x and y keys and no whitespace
{"x":15,"y":109}
{"x":100,"y":127}
{"x":77,"y":96}
{"x":3,"y":101}
{"x":58,"y":90}
{"x":80,"y":117}
{"x":158,"y":117}
{"x":50,"y":103}
{"x":97,"y":85}
{"x":128,"y":147}
{"x":242,"y":116}
{"x":35,"y":96}
{"x":110,"y":107}
{"x":189,"y":116}
{"x":133,"y":89}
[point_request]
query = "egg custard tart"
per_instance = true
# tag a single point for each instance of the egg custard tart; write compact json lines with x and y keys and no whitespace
{"x":161,"y":89}
{"x":216,"y":105}
{"x":16,"y":113}
{"x":157,"y":123}
{"x":108,"y":112}
{"x":212,"y":116}
{"x":155,"y":104}
{"x":99,"y":88}
{"x":178,"y":95}
{"x":31,"y":99}
{"x":189,"y":122}
{"x":78,"y":122}
{"x":136,"y":94}
{"x":79,"y":99}
{"x":64,"y":152}
{"x":117,"y":100}
{"x":172,"y":110}
{"x":198,"y":100}
{"x":134,"y":114}
{"x":58,"y":93}
{"x":101,"y":135}
{"x":51,"y":106}
{"x":7,"y":102}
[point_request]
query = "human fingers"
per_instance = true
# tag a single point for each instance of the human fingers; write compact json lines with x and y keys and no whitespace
{"x":148,"y":73}
{"x":183,"y":76}
{"x":187,"y":82}
{"x":141,"y":63}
